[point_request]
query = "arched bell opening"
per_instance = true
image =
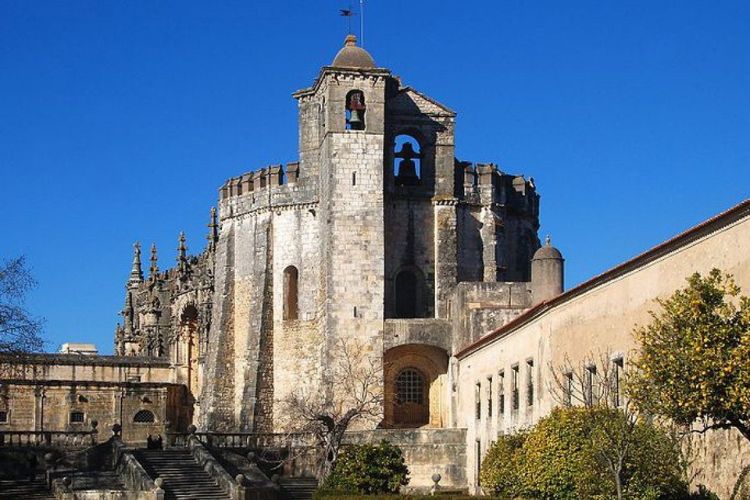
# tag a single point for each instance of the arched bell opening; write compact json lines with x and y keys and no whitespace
{"x":355,"y":110}
{"x":415,"y":377}
{"x":407,"y":161}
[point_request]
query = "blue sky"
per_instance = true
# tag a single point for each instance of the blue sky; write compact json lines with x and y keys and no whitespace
{"x":120,"y":120}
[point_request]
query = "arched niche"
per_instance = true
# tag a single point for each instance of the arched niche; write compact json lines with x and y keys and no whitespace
{"x":414,"y":376}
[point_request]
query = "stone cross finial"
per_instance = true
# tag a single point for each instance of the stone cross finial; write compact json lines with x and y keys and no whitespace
{"x":136,"y":273}
{"x":154,"y":270}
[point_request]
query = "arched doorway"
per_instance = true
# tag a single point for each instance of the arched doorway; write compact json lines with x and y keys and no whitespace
{"x":414,"y":379}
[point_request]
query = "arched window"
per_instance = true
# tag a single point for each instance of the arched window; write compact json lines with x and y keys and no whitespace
{"x":355,"y":110}
{"x":144,"y":417}
{"x":407,"y":164}
{"x":410,"y":387}
{"x":291,"y":279}
{"x":188,"y":330}
{"x":408,"y":296}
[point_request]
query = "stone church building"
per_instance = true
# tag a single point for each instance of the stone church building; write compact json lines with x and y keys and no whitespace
{"x":379,"y":234}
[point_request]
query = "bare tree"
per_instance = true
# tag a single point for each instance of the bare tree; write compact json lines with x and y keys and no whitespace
{"x":351,"y":389}
{"x":19,"y":330}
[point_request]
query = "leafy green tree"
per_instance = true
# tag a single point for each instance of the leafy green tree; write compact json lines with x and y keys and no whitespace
{"x":694,"y":361}
{"x":19,"y":330}
{"x":369,"y":469}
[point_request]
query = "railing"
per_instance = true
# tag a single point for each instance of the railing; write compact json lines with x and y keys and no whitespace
{"x":251,"y":440}
{"x":66,"y":439}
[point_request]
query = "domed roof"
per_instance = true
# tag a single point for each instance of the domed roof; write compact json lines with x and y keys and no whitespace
{"x":547,"y":252}
{"x":351,"y":56}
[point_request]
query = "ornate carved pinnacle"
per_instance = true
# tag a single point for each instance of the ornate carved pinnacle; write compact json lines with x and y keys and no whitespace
{"x":136,"y":273}
{"x":213,"y":229}
{"x":154,"y":270}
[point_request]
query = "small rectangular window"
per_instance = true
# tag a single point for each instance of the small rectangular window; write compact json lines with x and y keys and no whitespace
{"x":617,"y":368}
{"x":501,"y":393}
{"x":77,"y":417}
{"x":514,"y":387}
{"x":354,"y":178}
{"x":489,"y":396}
{"x":478,"y":401}
{"x":530,"y":382}
{"x":3,"y":417}
{"x":591,"y":392}
{"x":568,"y":388}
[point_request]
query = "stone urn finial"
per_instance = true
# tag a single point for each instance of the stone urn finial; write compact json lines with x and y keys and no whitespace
{"x":436,"y":477}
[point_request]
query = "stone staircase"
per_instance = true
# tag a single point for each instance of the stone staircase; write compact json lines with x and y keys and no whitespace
{"x":297,"y":488}
{"x":184,"y":478}
{"x":22,"y":488}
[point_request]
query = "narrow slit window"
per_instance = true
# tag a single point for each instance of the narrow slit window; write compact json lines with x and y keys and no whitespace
{"x":501,"y":393}
{"x":478,"y":401}
{"x":617,"y":369}
{"x":568,"y":389}
{"x":489,"y":396}
{"x":530,"y":383}
{"x":291,"y":283}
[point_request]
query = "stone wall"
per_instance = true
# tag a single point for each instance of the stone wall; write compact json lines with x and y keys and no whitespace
{"x":41,"y":392}
{"x":426,"y":452}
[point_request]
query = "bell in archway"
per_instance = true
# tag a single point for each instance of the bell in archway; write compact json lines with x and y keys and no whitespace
{"x":355,"y":121}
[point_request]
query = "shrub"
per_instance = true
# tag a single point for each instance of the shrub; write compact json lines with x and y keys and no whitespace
{"x":368,"y":469}
{"x":499,"y":472}
{"x":569,"y":453}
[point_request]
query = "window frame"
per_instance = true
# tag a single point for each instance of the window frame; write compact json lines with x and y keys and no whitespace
{"x":146,"y":422}
{"x":75,"y":421}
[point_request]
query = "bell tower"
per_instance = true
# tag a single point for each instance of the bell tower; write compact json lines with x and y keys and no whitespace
{"x":342,"y":126}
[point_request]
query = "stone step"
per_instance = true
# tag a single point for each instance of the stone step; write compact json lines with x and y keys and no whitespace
{"x":183,"y":477}
{"x":21,"y":488}
{"x":297,"y":488}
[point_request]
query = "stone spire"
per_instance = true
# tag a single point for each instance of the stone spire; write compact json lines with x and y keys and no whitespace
{"x":182,"y":248}
{"x":213,"y":229}
{"x":154,"y":270}
{"x":182,"y":254}
{"x":136,"y":273}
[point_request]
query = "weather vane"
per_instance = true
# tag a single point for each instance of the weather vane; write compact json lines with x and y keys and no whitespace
{"x":349,"y":13}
